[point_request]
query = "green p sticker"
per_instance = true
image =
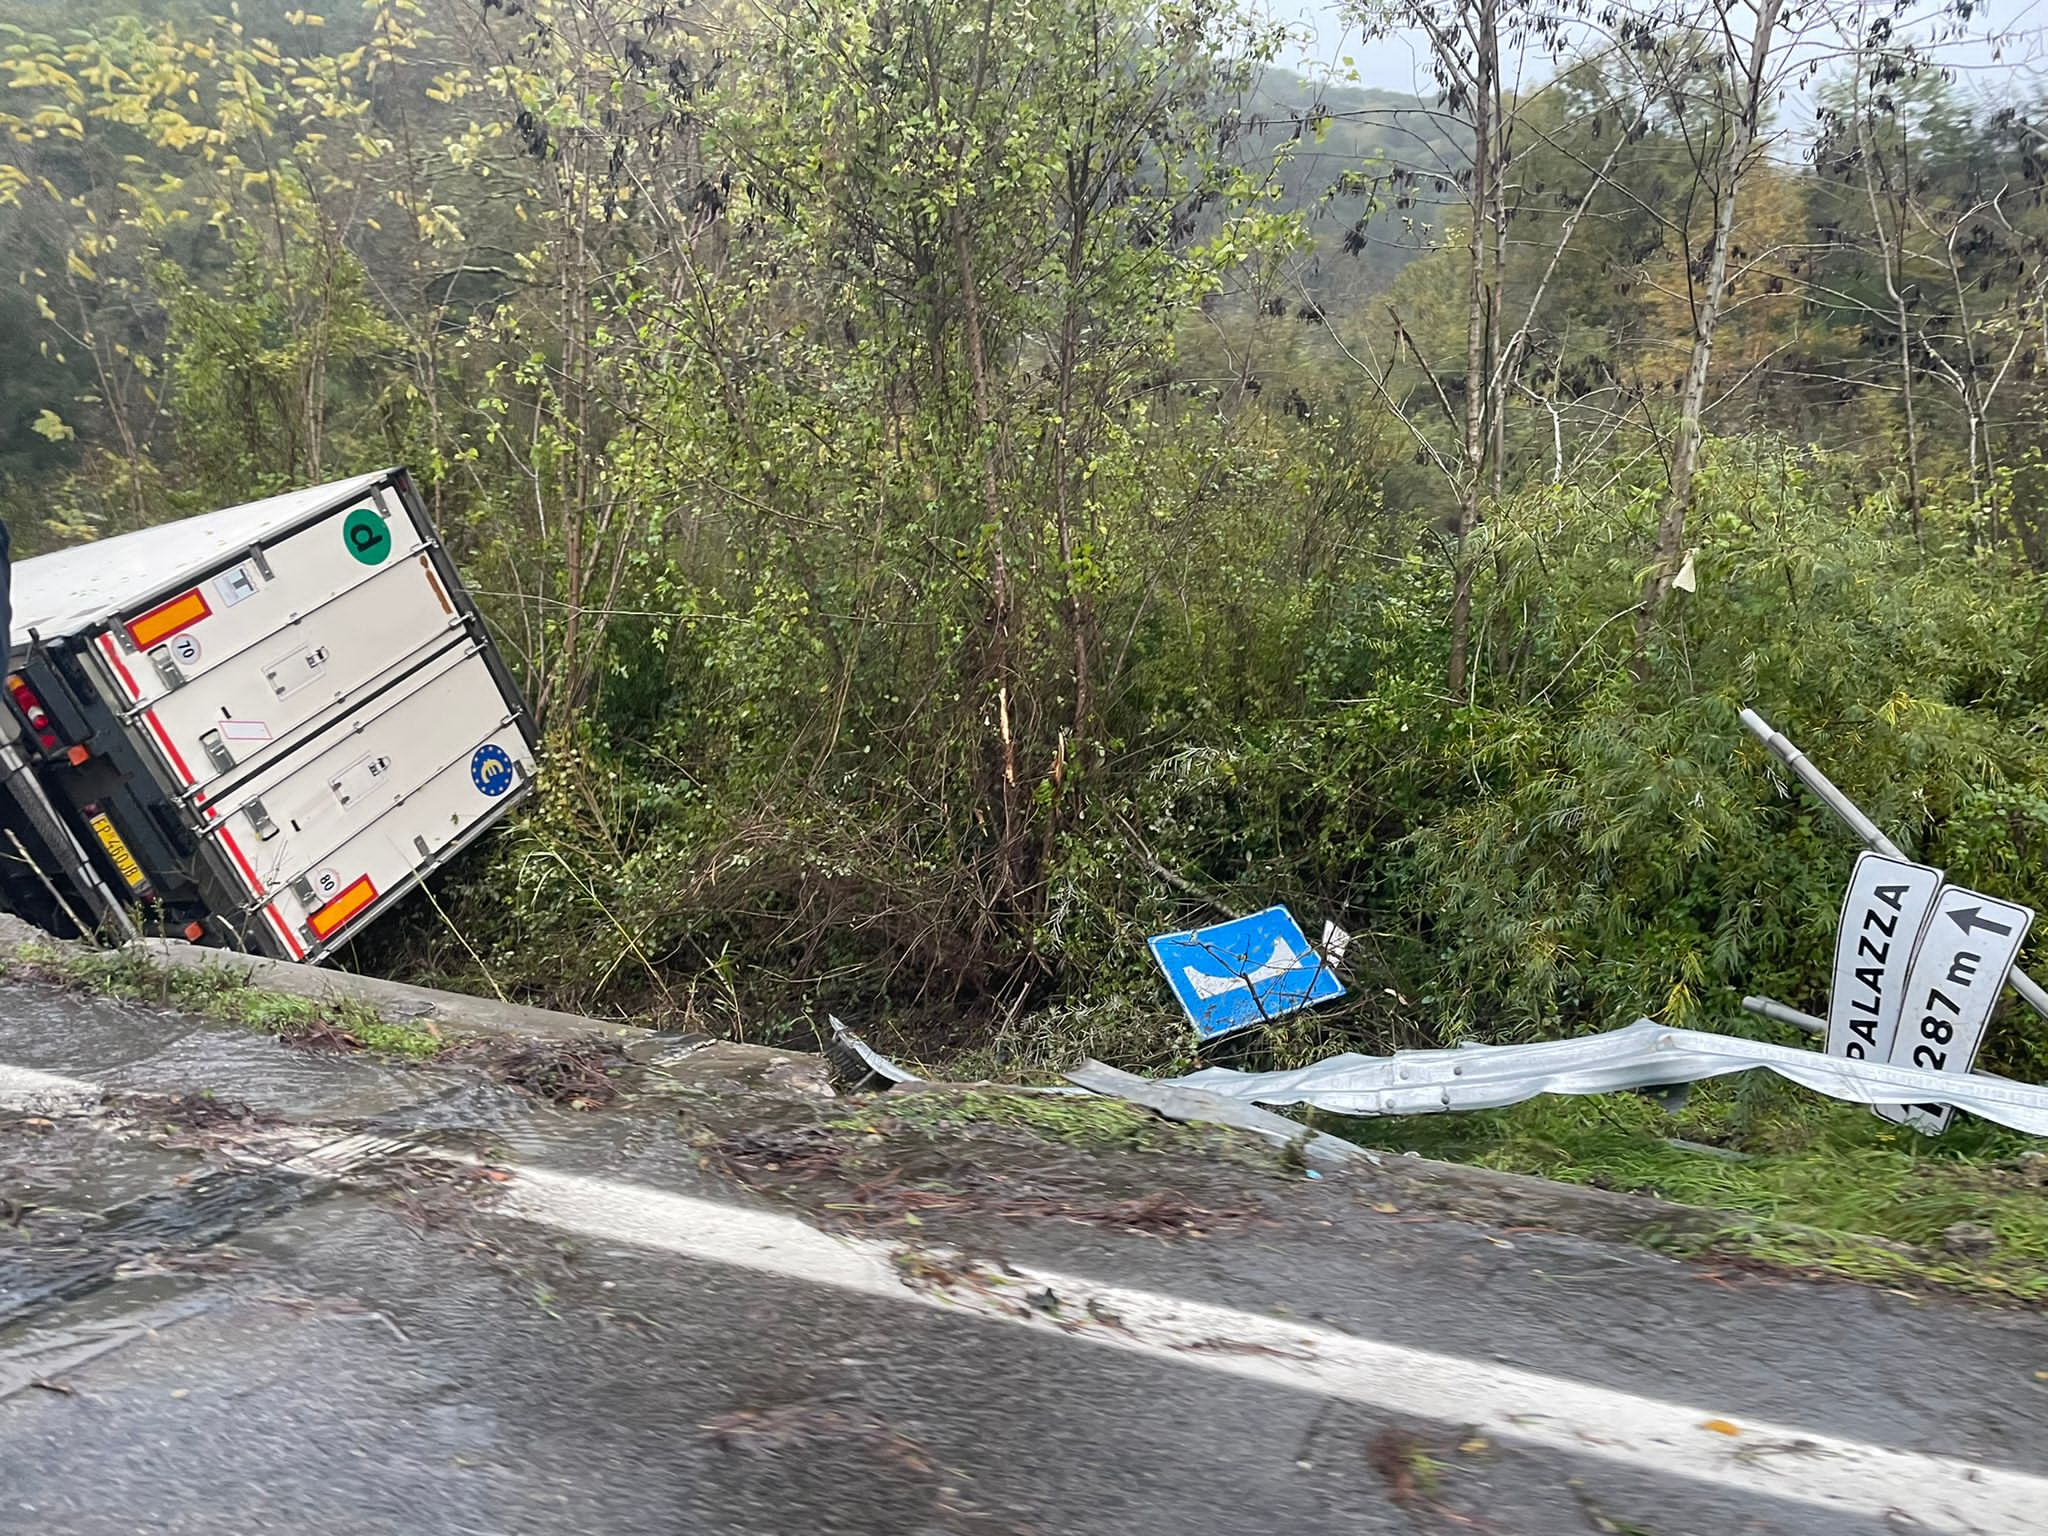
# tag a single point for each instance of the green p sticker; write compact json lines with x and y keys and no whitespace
{"x":366,"y":536}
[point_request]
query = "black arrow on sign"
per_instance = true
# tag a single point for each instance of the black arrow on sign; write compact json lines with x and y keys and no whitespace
{"x":1969,"y":919}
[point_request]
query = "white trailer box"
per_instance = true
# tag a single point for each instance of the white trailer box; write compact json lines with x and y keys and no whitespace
{"x":262,"y":725}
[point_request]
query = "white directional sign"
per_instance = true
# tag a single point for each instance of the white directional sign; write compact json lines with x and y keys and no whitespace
{"x":1970,"y":945}
{"x":1882,"y":917}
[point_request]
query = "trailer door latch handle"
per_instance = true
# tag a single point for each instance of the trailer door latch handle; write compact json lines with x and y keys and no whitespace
{"x":217,"y":751}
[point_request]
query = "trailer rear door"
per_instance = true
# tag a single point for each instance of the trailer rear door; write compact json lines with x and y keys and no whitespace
{"x":326,"y":834}
{"x":227,"y":672}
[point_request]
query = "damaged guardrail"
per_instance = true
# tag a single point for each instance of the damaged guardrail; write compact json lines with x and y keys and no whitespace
{"x":1642,"y":1055}
{"x":1918,"y":971}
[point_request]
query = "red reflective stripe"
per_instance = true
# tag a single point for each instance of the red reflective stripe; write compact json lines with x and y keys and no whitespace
{"x":170,"y":747}
{"x":248,"y":869}
{"x":256,"y":885}
{"x":284,"y":933}
{"x":249,"y":872}
{"x":120,"y":667}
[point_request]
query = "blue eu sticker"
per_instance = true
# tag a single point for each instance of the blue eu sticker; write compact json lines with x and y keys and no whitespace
{"x":491,"y":769}
{"x":1249,"y":971}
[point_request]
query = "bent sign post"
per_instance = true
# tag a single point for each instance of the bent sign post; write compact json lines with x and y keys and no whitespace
{"x":1883,"y":914}
{"x":1969,"y":946}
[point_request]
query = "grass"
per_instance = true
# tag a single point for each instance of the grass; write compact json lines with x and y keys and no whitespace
{"x":215,"y":992}
{"x":1070,"y":1120}
{"x":1084,"y":1124}
{"x":1828,"y":1186}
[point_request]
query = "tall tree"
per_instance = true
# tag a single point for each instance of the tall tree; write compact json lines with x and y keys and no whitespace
{"x":1490,"y":111}
{"x":1752,"y":68}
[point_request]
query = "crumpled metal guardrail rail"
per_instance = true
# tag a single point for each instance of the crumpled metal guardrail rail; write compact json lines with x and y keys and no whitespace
{"x":1642,"y":1055}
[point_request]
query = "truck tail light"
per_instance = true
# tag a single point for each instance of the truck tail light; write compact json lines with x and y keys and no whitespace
{"x":33,"y":712}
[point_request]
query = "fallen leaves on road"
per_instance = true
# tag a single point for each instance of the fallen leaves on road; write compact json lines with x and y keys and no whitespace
{"x":575,"y":1074}
{"x":1161,"y":1214}
{"x":189,"y":1120}
{"x":1224,"y":1346}
{"x":1414,"y":1476}
{"x":818,"y":1154}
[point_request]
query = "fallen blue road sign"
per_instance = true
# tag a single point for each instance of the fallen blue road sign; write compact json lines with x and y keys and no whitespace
{"x":1247,"y":971}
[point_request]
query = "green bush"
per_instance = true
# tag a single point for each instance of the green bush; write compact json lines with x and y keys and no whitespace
{"x":1580,"y":841}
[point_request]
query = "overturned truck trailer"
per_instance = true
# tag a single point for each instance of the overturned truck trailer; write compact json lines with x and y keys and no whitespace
{"x":256,"y":728}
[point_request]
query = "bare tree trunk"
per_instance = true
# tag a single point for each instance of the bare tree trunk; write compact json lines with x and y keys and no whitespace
{"x":1742,"y":136}
{"x":561,"y":696}
{"x":1889,"y":231}
{"x":1496,"y":369}
{"x":1010,"y":795}
{"x":1080,"y":610}
{"x":1479,"y":312}
{"x":1976,"y":403}
{"x":1912,"y":417}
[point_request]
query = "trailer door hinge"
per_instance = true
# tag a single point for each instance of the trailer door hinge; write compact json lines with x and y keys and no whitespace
{"x":217,"y":751}
{"x":166,"y":668}
{"x":302,"y":888}
{"x":259,"y":818}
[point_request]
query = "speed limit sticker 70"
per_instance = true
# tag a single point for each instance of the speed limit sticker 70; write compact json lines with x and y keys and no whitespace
{"x":1970,"y":945}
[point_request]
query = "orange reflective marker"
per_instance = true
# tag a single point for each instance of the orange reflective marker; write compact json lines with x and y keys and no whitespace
{"x":166,"y":619}
{"x":343,"y":907}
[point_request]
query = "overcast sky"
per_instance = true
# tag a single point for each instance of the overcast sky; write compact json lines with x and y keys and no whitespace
{"x":2004,"y":57}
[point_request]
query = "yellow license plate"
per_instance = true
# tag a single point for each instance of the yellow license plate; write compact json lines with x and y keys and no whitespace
{"x":117,"y":850}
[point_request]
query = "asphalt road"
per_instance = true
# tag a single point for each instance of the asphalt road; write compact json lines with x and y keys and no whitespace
{"x":413,"y":1301}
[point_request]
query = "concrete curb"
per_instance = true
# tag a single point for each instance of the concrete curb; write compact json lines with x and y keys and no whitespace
{"x":395,"y":1002}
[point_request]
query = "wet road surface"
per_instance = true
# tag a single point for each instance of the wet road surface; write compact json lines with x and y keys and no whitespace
{"x":410,"y":1300}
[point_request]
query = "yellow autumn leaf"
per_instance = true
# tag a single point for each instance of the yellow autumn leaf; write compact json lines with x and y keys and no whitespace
{"x":1721,"y":1427}
{"x":52,"y":426}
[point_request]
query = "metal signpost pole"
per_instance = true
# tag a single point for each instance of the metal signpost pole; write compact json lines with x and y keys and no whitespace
{"x":1780,"y":1013}
{"x":2030,"y":991}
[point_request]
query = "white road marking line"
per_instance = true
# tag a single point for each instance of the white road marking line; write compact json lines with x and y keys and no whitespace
{"x":1647,"y":1434}
{"x":342,"y":1153}
{"x":24,"y":1088}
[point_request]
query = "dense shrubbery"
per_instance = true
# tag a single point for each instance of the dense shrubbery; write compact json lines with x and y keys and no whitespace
{"x":1570,"y":846}
{"x":950,"y":530}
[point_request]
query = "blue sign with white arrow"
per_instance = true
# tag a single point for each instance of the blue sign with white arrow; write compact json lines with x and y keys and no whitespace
{"x":1250,"y":970}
